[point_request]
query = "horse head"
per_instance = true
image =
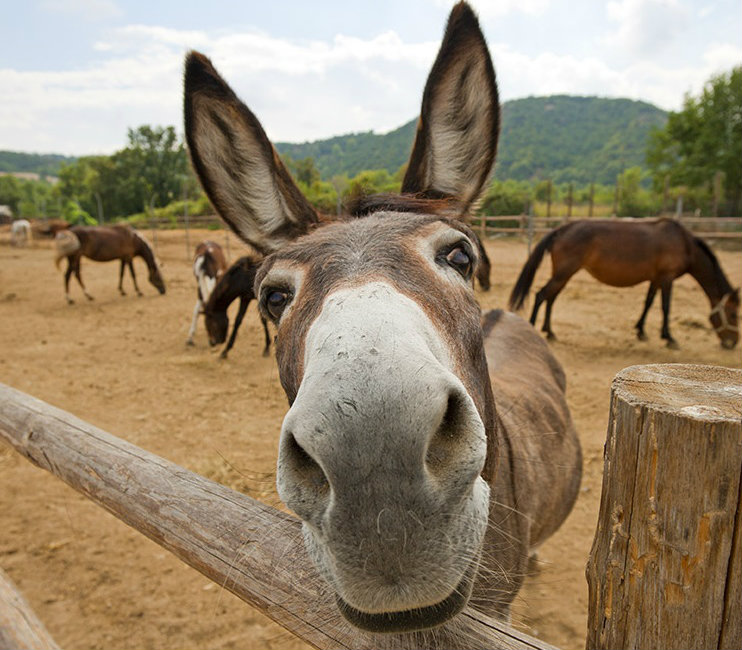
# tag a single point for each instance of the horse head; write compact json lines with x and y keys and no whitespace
{"x":724,"y":319}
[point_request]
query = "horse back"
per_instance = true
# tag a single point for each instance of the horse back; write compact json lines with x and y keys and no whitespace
{"x":624,"y":253}
{"x":106,"y":243}
{"x":540,"y":454}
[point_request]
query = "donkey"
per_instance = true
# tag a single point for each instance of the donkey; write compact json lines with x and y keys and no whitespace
{"x":104,"y":244}
{"x":423,"y":480}
{"x":209,"y":265}
{"x":237,"y":282}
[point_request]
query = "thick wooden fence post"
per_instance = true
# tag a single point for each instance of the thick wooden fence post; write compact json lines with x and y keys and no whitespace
{"x":665,"y":570}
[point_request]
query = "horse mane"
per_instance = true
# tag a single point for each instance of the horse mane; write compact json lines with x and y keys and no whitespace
{"x":147,"y":252}
{"x":718,"y":272}
{"x":222,"y":290}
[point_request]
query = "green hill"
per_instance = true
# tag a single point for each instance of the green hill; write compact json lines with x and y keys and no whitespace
{"x":579,"y":139}
{"x":564,"y":138}
{"x":42,"y":164}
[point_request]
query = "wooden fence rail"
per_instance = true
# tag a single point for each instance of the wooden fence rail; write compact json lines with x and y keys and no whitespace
{"x":244,"y":546}
{"x":719,"y":228}
{"x":665,"y":570}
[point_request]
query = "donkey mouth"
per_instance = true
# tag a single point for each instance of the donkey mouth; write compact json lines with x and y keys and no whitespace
{"x":412,"y":620}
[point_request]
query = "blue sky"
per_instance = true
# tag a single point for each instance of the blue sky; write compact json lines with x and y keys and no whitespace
{"x":75,"y":74}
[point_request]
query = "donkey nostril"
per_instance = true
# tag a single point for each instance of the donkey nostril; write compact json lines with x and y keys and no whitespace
{"x":305,"y":481}
{"x":443,"y":445}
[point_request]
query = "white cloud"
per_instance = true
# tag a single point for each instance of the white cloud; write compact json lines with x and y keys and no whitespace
{"x":89,"y":9}
{"x":304,"y":90}
{"x":645,"y":26}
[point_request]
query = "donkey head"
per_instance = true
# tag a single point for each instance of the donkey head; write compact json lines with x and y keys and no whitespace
{"x":388,"y":445}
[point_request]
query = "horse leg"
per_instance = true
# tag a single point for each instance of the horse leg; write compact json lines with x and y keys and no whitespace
{"x":121,"y":278}
{"x":79,"y":280}
{"x":266,"y":349}
{"x":237,"y":322}
{"x":666,"y":295}
{"x":549,"y":292}
{"x":134,"y":277}
{"x":640,"y":334}
{"x":67,"y":275}
{"x":196,"y":311}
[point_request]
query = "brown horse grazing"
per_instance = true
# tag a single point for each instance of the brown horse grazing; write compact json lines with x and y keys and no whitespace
{"x":237,"y":282}
{"x":104,"y":244}
{"x":625,"y":253}
{"x":209,"y":265}
{"x":422,"y":479}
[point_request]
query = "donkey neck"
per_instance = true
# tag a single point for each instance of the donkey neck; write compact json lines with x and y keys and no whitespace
{"x":707,"y":272}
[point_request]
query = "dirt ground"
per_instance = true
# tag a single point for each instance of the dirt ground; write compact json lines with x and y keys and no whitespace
{"x":121,"y":364}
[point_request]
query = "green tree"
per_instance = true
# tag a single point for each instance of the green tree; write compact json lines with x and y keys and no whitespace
{"x":701,"y":139}
{"x":633,"y":199}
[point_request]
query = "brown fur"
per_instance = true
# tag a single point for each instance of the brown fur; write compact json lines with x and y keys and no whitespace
{"x":623,"y":254}
{"x":105,"y":244}
{"x":361,"y":381}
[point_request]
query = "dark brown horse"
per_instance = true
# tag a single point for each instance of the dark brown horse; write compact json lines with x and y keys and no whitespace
{"x":209,"y":265}
{"x":237,"y":282}
{"x":105,"y":244}
{"x":625,"y":253}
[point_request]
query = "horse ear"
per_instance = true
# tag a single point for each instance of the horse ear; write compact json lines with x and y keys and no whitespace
{"x":239,"y":168}
{"x":459,"y":121}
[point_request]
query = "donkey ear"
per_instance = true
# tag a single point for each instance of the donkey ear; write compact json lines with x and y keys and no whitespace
{"x":459,"y":122}
{"x":239,"y":168}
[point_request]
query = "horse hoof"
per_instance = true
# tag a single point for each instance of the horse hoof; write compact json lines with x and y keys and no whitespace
{"x":70,"y":301}
{"x":190,"y":343}
{"x":266,"y":352}
{"x":223,"y":356}
{"x":673,"y":345}
{"x":642,"y":336}
{"x":89,"y":297}
{"x":550,"y":336}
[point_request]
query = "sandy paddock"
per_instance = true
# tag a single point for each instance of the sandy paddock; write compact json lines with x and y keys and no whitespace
{"x":121,"y":364}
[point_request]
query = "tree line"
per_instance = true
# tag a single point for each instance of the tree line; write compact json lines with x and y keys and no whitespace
{"x":695,"y":158}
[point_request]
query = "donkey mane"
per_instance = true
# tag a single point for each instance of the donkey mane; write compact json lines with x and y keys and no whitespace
{"x":421,"y":203}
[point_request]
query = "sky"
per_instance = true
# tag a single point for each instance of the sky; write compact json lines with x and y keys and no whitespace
{"x":75,"y":74}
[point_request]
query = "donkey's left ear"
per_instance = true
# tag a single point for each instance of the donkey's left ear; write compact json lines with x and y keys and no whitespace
{"x":239,"y":168}
{"x":459,"y":122}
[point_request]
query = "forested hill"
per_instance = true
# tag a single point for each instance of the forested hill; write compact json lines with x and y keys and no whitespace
{"x":564,"y":138}
{"x":42,"y":164}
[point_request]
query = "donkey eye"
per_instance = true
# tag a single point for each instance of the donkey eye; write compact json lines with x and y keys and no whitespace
{"x":275,"y":301}
{"x":460,"y":259}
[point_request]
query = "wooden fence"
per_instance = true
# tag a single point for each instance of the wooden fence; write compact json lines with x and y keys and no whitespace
{"x":665,"y":569}
{"x":714,"y":228}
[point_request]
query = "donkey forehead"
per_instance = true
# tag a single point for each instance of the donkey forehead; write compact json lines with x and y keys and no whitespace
{"x":385,"y":243}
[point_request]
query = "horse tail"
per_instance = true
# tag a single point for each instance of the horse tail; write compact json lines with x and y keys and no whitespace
{"x":66,"y":243}
{"x":525,"y":279}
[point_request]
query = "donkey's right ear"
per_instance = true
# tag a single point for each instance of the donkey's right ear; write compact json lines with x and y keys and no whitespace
{"x":239,"y":168}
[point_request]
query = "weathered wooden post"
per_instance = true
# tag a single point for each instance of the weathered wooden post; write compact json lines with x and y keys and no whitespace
{"x":19,"y":626}
{"x":665,"y":570}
